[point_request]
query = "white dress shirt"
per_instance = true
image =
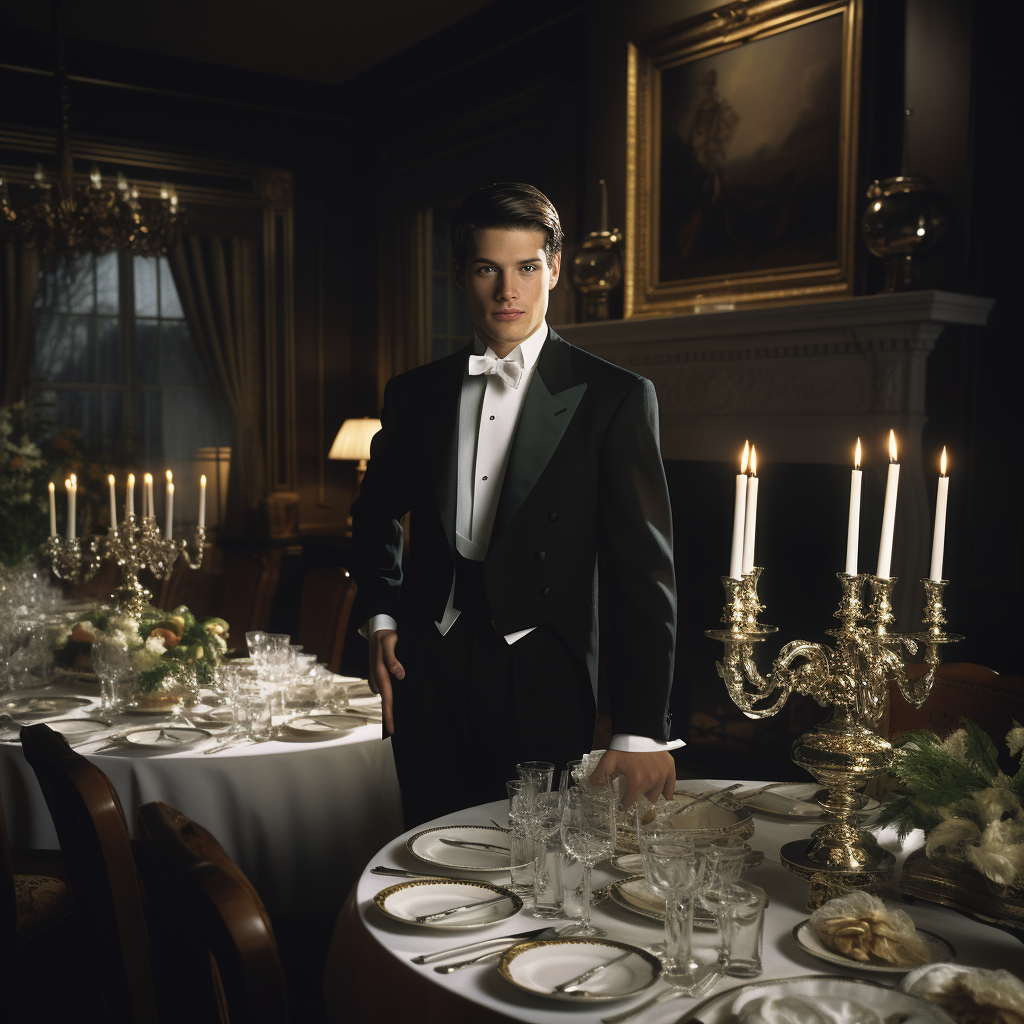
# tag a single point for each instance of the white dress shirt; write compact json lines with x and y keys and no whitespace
{"x":488,"y":417}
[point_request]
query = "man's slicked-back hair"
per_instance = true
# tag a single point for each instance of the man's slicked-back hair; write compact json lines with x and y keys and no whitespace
{"x":505,"y":204}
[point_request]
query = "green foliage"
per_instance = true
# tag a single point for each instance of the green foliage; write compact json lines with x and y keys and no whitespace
{"x":939,"y":778}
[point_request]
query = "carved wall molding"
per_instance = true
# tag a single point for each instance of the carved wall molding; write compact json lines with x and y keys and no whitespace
{"x":803,"y":382}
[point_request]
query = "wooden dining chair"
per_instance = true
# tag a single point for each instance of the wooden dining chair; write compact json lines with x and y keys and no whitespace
{"x":961,"y":690}
{"x":93,"y":835}
{"x":326,"y":603}
{"x":220,"y":912}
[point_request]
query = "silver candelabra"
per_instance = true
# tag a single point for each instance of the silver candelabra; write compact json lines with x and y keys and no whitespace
{"x":135,"y":544}
{"x":852,"y":677}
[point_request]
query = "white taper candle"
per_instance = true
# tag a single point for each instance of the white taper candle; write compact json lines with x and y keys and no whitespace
{"x":739,"y":514}
{"x":72,"y":486}
{"x":892,"y":484}
{"x":939,"y":536}
{"x":750,"y":515}
{"x":129,"y":499}
{"x":170,"y":511}
{"x":53,"y":510}
{"x":853,"y":530}
{"x":202,"y":501}
{"x":113,"y":508}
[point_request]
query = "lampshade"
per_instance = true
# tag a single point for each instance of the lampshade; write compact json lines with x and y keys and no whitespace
{"x":353,"y":440}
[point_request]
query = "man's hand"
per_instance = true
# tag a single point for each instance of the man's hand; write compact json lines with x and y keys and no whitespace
{"x":650,"y":773}
{"x":384,"y":665}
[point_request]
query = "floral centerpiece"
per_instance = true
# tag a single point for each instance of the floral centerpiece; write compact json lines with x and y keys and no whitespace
{"x":161,"y":645}
{"x":972,"y":813}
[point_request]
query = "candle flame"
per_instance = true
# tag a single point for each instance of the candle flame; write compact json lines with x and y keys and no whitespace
{"x":856,"y":457}
{"x":131,"y":479}
{"x":148,"y":478}
{"x":202,"y":480}
{"x":170,"y":476}
{"x":892,"y":446}
{"x":170,"y":488}
{"x":67,"y":486}
{"x":753,"y":460}
{"x":942,"y":461}
{"x":110,"y":479}
{"x":74,"y":480}
{"x":746,"y":457}
{"x":51,"y":486}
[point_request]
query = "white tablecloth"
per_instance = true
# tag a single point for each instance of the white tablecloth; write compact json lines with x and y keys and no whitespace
{"x":976,"y":944}
{"x":300,"y":818}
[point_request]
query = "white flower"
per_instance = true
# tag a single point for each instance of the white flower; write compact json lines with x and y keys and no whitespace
{"x":1000,"y":854}
{"x":1015,"y":740}
{"x":145,"y":658}
{"x":155,"y":645}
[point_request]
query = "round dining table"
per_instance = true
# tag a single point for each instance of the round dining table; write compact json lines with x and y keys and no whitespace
{"x":299,"y":814}
{"x":370,"y":976}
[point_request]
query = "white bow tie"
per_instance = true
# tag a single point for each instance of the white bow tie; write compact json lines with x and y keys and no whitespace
{"x":509,"y":369}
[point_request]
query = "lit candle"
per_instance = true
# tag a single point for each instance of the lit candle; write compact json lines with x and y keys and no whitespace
{"x":147,"y":496}
{"x":170,"y":510}
{"x":750,"y":516}
{"x":129,"y":501}
{"x":72,"y":486}
{"x":202,"y":501}
{"x":113,"y":509}
{"x":739,"y":511}
{"x":939,"y":536}
{"x":853,"y":532}
{"x":889,"y":512}
{"x":53,"y":510}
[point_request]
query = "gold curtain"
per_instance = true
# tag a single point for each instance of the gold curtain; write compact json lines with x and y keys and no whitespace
{"x":217,"y":283}
{"x":19,"y":268}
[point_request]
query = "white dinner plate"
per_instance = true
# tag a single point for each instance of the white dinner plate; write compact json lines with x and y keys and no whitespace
{"x":74,"y":729}
{"x":940,"y":950}
{"x":170,"y":737}
{"x":539,"y":966}
{"x":408,"y":900}
{"x":636,"y":896}
{"x":629,"y":863}
{"x":427,"y":847}
{"x":38,"y":707}
{"x":830,"y":998}
{"x":324,"y":725}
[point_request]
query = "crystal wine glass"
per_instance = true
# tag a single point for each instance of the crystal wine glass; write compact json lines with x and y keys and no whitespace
{"x":674,"y":868}
{"x":588,"y":834}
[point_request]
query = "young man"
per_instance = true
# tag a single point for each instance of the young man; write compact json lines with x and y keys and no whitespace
{"x":534,"y":477}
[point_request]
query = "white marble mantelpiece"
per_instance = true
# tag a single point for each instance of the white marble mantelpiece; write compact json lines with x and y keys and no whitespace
{"x":802,"y":382}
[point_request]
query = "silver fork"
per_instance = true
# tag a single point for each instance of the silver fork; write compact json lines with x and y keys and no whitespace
{"x":705,"y":985}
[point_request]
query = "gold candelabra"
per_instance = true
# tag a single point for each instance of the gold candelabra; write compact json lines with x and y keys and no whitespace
{"x":135,"y":544}
{"x":852,"y":677}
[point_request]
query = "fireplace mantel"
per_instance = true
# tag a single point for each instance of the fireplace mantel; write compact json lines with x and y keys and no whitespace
{"x":802,"y":382}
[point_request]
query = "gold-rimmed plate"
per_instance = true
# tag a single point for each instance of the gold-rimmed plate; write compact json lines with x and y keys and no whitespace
{"x":538,"y":967}
{"x":850,"y":996}
{"x":428,"y":847}
{"x":39,"y":707}
{"x":803,"y":934}
{"x":636,"y":896}
{"x":407,"y":901}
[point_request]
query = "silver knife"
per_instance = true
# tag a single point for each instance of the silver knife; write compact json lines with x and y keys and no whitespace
{"x":469,"y":844}
{"x":544,"y":933}
{"x":514,"y":937}
{"x":401,"y":873}
{"x":587,"y":975}
{"x":427,"y":918}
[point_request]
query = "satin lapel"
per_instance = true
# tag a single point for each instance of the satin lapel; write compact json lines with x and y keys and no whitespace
{"x":441,"y":428}
{"x":547,"y":412}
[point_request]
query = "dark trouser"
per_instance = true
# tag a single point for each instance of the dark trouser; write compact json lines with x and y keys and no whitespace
{"x":471,"y":707}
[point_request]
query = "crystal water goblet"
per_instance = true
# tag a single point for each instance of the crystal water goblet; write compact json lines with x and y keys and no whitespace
{"x":674,"y":868}
{"x":111,"y":663}
{"x":588,"y":834}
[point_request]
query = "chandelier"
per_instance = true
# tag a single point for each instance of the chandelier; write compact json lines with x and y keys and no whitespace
{"x":59,"y":218}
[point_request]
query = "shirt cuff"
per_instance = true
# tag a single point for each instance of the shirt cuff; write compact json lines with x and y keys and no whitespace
{"x":641,"y":744}
{"x":375,"y":622}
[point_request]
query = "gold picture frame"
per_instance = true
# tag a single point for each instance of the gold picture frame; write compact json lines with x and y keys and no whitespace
{"x":742,"y":155}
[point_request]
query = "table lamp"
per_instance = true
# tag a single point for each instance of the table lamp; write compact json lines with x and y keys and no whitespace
{"x":353,"y":443}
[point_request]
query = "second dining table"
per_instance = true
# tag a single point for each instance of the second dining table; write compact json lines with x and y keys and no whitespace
{"x":370,"y":974}
{"x":299,"y":813}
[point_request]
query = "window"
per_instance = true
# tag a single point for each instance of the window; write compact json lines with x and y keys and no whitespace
{"x":452,"y":326}
{"x":114,"y":358}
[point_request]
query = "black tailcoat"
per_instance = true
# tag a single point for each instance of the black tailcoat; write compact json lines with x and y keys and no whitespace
{"x":584,"y":503}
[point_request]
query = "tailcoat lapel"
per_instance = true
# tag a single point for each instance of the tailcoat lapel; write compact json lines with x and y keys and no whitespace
{"x":547,"y":412}
{"x":440,"y":425}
